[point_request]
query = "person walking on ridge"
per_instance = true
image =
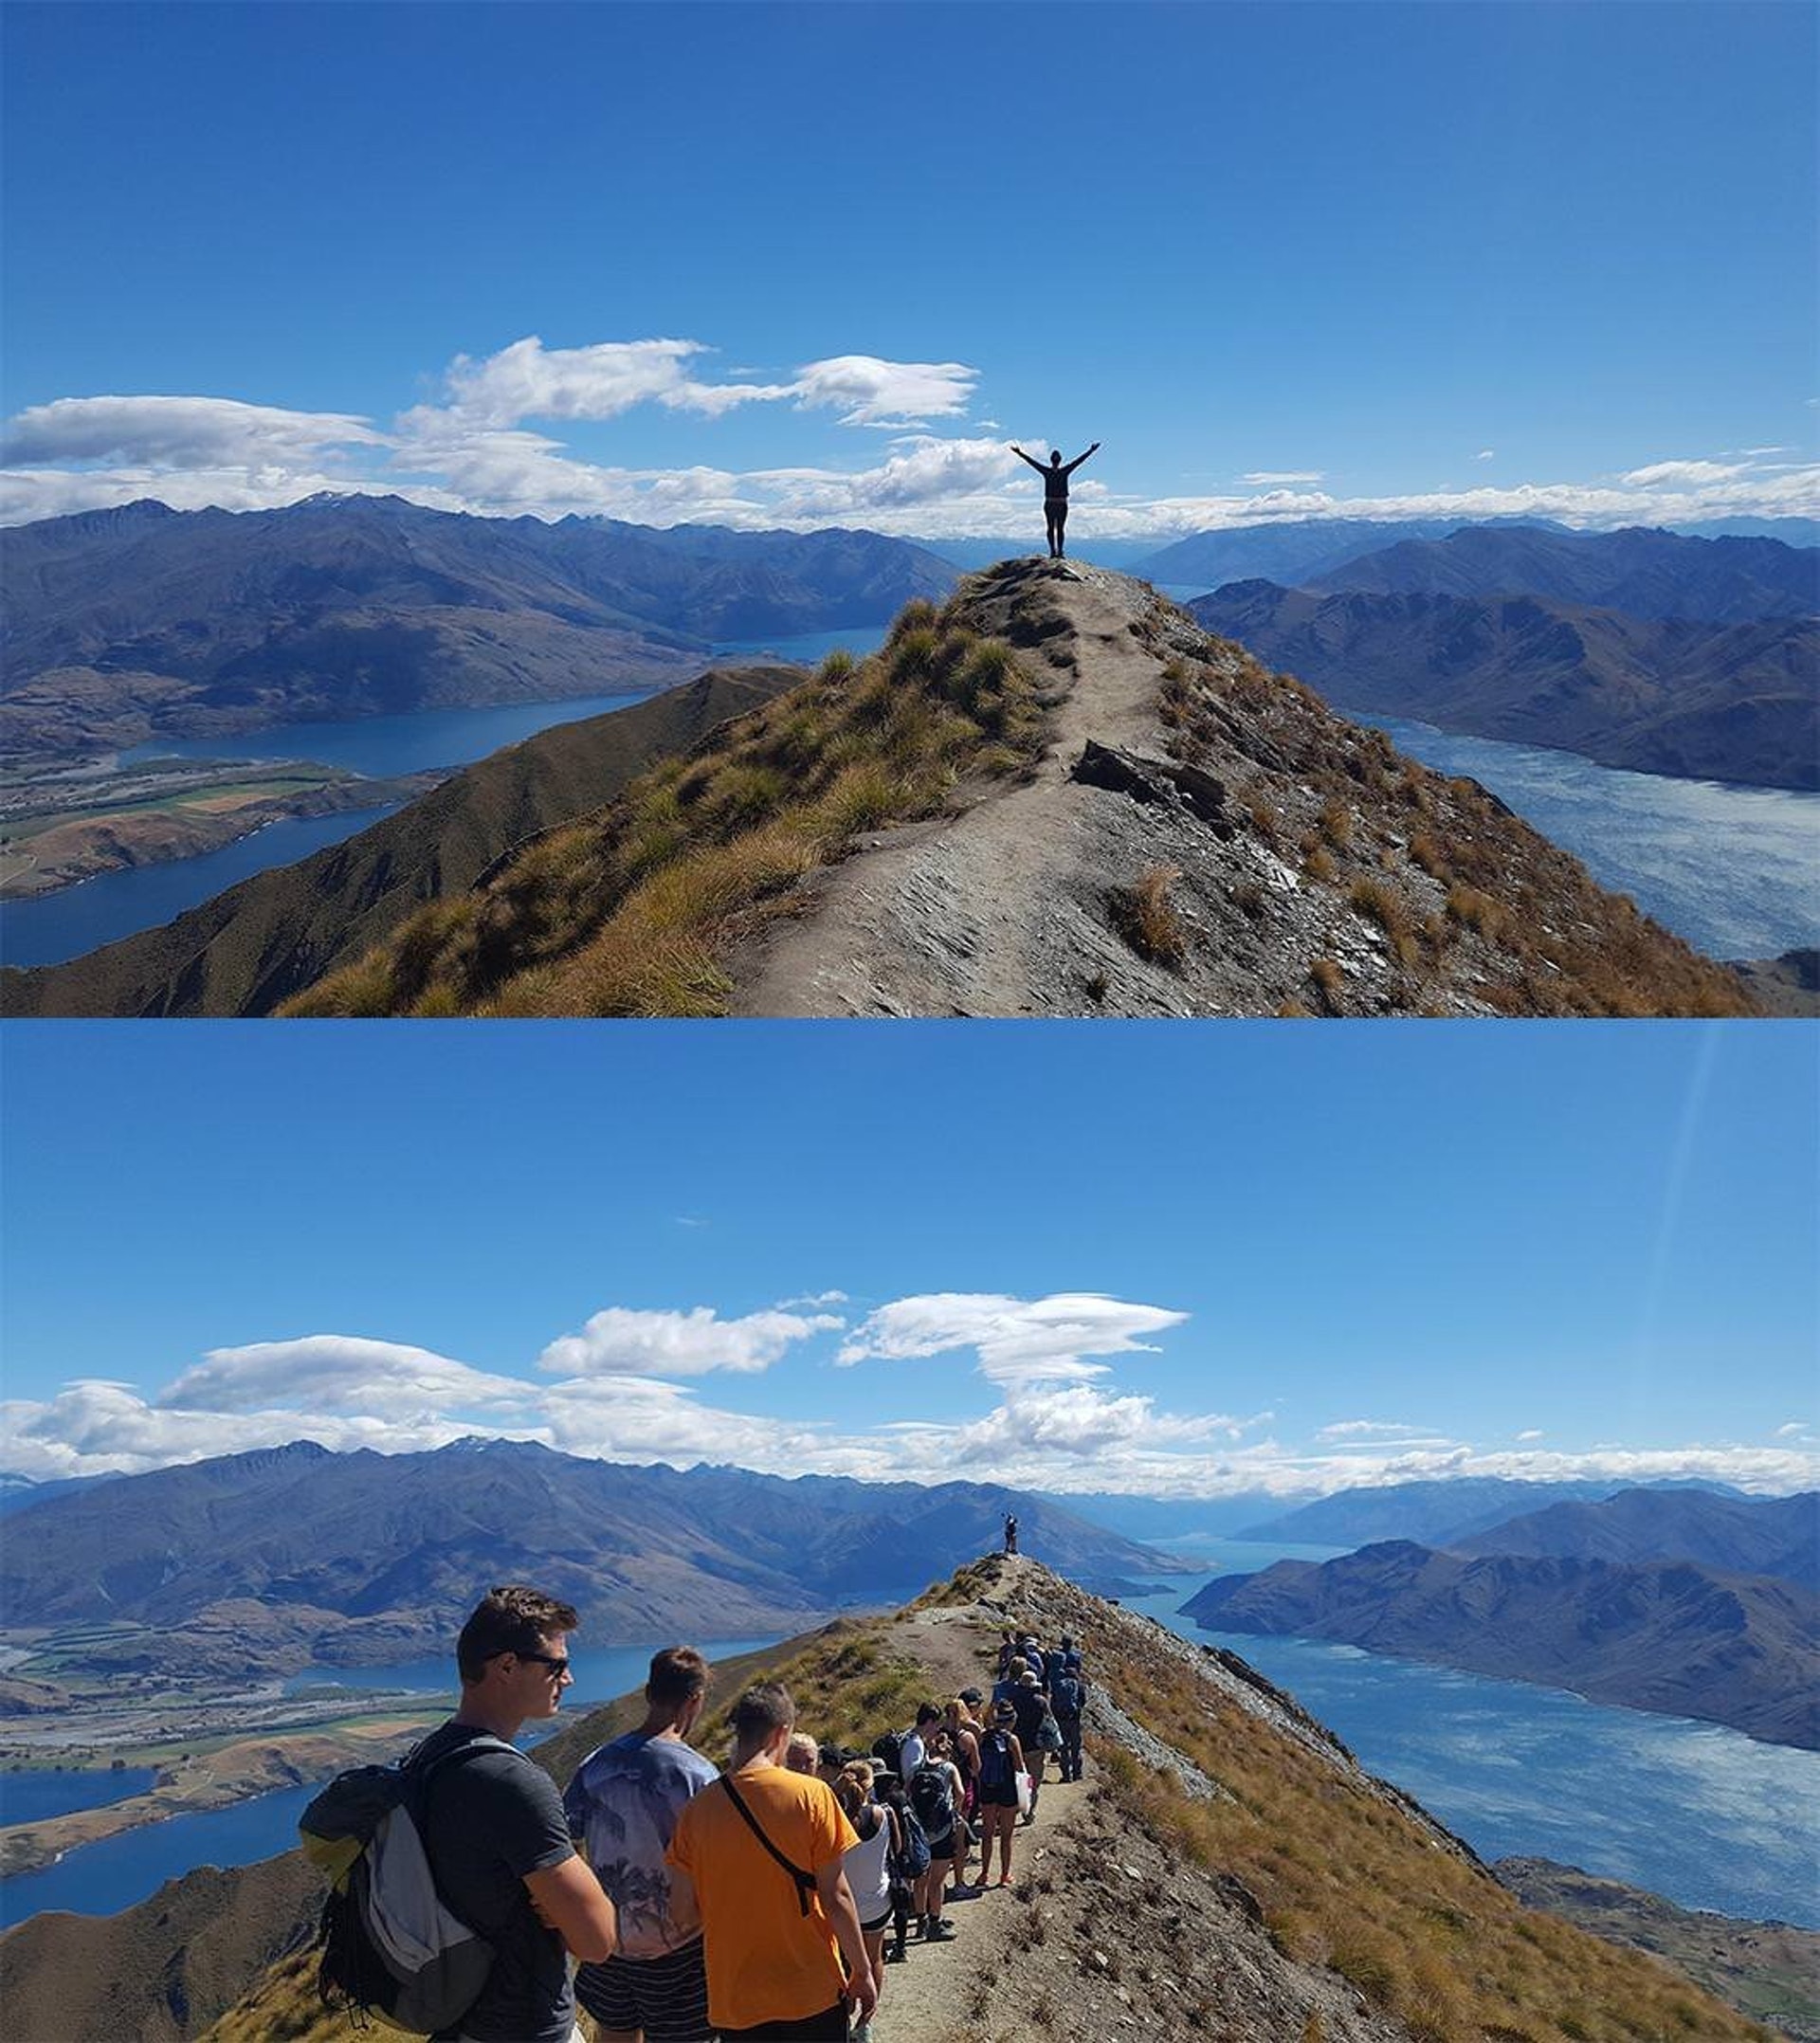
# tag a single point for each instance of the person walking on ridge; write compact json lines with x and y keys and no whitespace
{"x":1055,"y":491}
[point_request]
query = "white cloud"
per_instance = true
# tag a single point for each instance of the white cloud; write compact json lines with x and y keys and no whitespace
{"x":1486,"y":453}
{"x":1284,"y":475}
{"x":1361,"y":1429}
{"x":1684,"y":471}
{"x":528,"y":380}
{"x":1533,"y":1432}
{"x":1080,"y":1422}
{"x":1017,"y":1340}
{"x":621,"y":1341}
{"x":1794,"y":1430}
{"x":867,"y":392}
{"x":180,"y":432}
{"x":813,"y":1300}
{"x":108,"y":1429}
{"x":338,"y":1373}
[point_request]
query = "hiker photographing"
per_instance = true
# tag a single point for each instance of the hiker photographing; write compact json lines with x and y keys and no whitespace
{"x":1055,"y":491}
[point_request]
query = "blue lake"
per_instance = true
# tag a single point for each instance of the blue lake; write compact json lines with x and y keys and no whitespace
{"x":101,"y":1879}
{"x":1694,"y":1812}
{"x":31,"y":1794}
{"x":115,"y":905}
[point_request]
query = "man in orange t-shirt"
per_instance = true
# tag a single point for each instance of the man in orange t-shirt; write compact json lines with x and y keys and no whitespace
{"x":763,"y":1848}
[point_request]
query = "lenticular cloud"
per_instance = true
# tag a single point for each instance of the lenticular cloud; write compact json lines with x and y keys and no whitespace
{"x":1018,"y":1340}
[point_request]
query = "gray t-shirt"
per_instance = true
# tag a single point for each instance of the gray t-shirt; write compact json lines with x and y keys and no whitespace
{"x":488,"y":1822}
{"x":622,"y":1804}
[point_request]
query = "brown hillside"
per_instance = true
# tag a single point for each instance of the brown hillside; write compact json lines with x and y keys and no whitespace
{"x":258,"y":942}
{"x":1227,"y":1869}
{"x":1124,"y":817}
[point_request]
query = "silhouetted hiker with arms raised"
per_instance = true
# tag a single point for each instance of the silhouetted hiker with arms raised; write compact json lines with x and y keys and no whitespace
{"x":1055,"y":491}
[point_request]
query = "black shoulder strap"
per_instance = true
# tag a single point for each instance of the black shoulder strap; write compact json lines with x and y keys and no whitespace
{"x":804,"y":1881}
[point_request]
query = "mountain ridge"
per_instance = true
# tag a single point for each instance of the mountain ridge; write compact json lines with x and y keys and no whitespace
{"x":1734,"y":702}
{"x":1057,"y":795}
{"x":281,"y":1558}
{"x":1669,"y":1636}
{"x":123,"y":626}
{"x":249,"y":949}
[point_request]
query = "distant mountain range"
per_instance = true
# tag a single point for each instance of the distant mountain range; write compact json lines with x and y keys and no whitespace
{"x":1643,"y":572}
{"x":1778,"y":1537}
{"x":1679,"y":1601}
{"x":1722,"y":702}
{"x":294,"y":1555}
{"x":1435,"y":1513}
{"x":1663,"y":1635}
{"x":143,"y":622}
{"x":253,"y":946}
{"x":1289,"y":552}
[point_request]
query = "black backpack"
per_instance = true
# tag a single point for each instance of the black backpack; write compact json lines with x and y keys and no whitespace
{"x":891,"y":1749}
{"x":931,"y":1799}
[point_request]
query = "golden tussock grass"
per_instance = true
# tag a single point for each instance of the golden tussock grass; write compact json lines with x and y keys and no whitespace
{"x":631,"y":911}
{"x":1146,"y":917}
{"x":1347,"y":1880}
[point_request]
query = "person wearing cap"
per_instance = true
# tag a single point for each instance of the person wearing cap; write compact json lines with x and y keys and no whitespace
{"x":1001,"y":1760}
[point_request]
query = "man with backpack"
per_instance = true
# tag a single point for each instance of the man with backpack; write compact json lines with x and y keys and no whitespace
{"x":1068,"y":1699}
{"x":492,"y":1827}
{"x":763,"y":1851}
{"x":622,"y":1804}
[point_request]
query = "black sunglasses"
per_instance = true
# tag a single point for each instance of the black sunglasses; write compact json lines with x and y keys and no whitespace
{"x":556,"y":1663}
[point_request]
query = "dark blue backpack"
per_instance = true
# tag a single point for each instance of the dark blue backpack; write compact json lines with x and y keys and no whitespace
{"x":1068,"y":1692}
{"x":912,"y":1862}
{"x":995,"y":1760}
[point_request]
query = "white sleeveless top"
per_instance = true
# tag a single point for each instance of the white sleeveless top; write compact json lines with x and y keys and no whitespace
{"x":866,"y":1870}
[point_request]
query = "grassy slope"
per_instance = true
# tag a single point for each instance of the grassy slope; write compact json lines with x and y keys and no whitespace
{"x":252,"y":946}
{"x":627,"y":912}
{"x":1439,"y":863}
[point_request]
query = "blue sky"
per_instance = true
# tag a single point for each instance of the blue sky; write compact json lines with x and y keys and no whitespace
{"x":812,"y":264}
{"x":1179,"y":1261}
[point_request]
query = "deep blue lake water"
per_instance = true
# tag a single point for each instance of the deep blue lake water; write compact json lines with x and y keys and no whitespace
{"x":1694,"y":1812}
{"x":29,"y":1796}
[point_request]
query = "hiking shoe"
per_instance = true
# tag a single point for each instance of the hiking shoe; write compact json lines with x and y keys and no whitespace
{"x":940,"y":1933}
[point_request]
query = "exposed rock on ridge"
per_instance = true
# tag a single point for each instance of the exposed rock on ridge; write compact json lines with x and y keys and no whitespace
{"x":1283,"y":858}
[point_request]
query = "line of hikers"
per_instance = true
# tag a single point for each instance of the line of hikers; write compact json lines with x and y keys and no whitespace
{"x":764,"y":1899}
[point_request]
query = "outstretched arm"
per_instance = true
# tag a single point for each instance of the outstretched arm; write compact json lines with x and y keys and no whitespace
{"x":1080,"y":458}
{"x":1033,"y":460}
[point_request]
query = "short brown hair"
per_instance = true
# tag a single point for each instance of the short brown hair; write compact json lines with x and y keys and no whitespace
{"x":762,"y":1711}
{"x":679,"y":1674}
{"x":509,"y":1619}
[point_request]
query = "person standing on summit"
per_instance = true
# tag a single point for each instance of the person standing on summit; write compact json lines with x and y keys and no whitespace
{"x":1055,"y":491}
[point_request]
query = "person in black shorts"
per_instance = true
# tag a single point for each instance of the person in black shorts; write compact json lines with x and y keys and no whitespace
{"x":1055,"y":507}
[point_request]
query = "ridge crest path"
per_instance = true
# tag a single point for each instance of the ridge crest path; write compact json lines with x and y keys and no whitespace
{"x":979,"y":912}
{"x":1055,"y":1954}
